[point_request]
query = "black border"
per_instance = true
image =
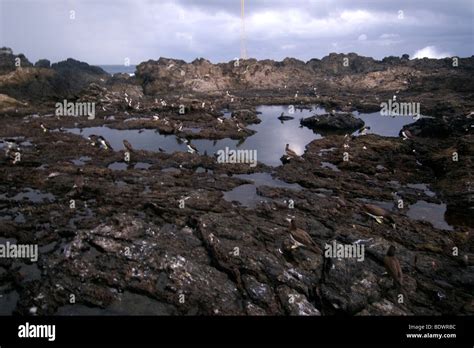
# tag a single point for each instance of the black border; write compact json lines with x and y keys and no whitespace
{"x":139,"y":330}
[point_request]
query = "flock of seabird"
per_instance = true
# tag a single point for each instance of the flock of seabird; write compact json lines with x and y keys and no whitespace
{"x":298,"y":236}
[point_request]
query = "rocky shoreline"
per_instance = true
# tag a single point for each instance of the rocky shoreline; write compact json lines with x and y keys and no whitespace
{"x":163,"y":238}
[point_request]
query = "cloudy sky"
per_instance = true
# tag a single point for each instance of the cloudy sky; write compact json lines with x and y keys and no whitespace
{"x":110,"y":31}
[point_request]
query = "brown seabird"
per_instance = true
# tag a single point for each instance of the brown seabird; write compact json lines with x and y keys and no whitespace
{"x":302,"y":238}
{"x":127,"y":145}
{"x":289,"y":152}
{"x":377,"y":213}
{"x":104,"y":143}
{"x":392,"y":265}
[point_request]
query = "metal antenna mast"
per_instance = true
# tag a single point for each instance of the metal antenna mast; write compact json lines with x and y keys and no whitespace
{"x":243,"y":48}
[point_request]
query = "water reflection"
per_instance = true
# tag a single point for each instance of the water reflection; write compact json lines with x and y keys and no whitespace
{"x":269,"y":140}
{"x":430,"y":212}
{"x":247,"y":194}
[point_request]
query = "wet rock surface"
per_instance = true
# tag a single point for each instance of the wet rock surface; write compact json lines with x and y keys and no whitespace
{"x":336,"y":122}
{"x":159,"y":237}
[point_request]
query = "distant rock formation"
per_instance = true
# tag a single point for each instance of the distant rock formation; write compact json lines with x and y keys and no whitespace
{"x":43,"y":63}
{"x":350,"y":72}
{"x":74,"y":66}
{"x":9,"y":61}
{"x":44,"y":81}
{"x":337,"y":79}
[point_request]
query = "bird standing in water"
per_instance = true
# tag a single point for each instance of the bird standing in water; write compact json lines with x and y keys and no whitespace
{"x":104,"y":143}
{"x":363,"y":130}
{"x":127,"y":145}
{"x":191,"y":147}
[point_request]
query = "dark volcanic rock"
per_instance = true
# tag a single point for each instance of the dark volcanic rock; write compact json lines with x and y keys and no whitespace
{"x":340,"y":121}
{"x":246,"y":116}
{"x":8,"y":60}
{"x":72,"y":76}
{"x":440,"y":127}
{"x":43,"y":63}
{"x":128,"y":239}
{"x":64,"y":80}
{"x":334,"y":64}
{"x":345,"y":81}
{"x":74,"y":66}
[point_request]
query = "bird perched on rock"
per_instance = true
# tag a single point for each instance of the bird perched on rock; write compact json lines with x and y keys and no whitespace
{"x":12,"y":149}
{"x":392,"y":265}
{"x":406,"y":134}
{"x":191,"y":147}
{"x":240,"y":126}
{"x":302,"y":238}
{"x":377,"y":213}
{"x":127,"y":145}
{"x":79,"y":182}
{"x":43,"y":127}
{"x":78,"y":186}
{"x":94,"y":139}
{"x":178,"y":126}
{"x":363,"y":130}
{"x":289,"y":152}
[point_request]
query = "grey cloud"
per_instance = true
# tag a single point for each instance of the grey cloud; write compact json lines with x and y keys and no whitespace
{"x":108,"y":31}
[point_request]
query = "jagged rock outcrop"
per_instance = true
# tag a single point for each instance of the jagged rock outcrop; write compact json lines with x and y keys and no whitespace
{"x":129,"y":240}
{"x":42,"y":83}
{"x":348,"y":71}
{"x":9,"y":61}
{"x":345,"y":81}
{"x":337,"y":121}
{"x":43,"y":63}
